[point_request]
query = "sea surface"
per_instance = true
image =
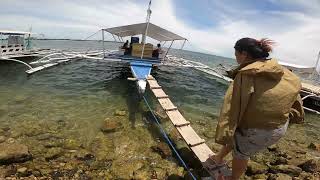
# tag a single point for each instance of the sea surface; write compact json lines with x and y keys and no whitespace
{"x":72,"y":103}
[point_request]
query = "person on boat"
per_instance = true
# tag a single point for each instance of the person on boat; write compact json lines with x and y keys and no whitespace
{"x":156,"y":52}
{"x":126,"y":47}
{"x":257,"y":106}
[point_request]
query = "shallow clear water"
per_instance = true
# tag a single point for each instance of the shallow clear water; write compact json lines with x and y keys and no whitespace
{"x":72,"y":101}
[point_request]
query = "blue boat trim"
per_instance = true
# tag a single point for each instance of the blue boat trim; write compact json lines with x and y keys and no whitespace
{"x":141,"y":69}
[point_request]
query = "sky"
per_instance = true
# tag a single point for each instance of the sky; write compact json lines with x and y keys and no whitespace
{"x":211,"y":26}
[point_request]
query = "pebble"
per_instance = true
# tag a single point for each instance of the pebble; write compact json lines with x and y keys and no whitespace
{"x":10,"y":140}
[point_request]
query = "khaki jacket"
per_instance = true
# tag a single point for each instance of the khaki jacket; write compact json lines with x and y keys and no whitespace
{"x":263,"y":95}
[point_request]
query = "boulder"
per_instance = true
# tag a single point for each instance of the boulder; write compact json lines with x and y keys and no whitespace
{"x":14,"y":153}
{"x":286,"y":169}
{"x":310,"y":166}
{"x":256,"y":168}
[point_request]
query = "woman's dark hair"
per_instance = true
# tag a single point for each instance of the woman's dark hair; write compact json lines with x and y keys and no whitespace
{"x":255,"y":48}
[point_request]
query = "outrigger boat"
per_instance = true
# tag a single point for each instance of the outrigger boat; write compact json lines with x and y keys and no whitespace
{"x":141,"y":60}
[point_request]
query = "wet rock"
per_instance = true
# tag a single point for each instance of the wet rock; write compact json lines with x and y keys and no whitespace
{"x":314,"y":146}
{"x":273,"y":148}
{"x":310,"y":166}
{"x":53,"y":153}
{"x":279,"y":160}
{"x":2,"y":139}
{"x":163,"y":149}
{"x":256,"y":168}
{"x":259,"y":176}
{"x":120,"y":113}
{"x":286,"y":169}
{"x":23,"y":171}
{"x":279,"y":176}
{"x":6,"y":171}
{"x":111,"y":125}
{"x":14,"y":153}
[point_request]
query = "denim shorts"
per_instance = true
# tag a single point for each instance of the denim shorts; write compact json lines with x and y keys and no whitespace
{"x":251,"y":141}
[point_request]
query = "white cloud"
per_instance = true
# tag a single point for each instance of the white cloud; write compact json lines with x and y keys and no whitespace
{"x":296,"y":32}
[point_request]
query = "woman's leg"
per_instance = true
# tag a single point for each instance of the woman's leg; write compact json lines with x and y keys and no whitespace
{"x":225,"y":150}
{"x":239,"y":167}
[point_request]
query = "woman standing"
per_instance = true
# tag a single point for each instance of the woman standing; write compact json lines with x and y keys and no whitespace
{"x":257,"y":106}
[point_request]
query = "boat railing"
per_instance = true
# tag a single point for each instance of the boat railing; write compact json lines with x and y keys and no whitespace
{"x":11,"y":49}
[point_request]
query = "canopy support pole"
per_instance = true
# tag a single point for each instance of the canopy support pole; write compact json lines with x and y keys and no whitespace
{"x":168,"y":49}
{"x":164,"y":43}
{"x":183,"y":44}
{"x":316,"y":67}
{"x":146,"y":32}
{"x":119,"y":39}
{"x":103,"y":43}
{"x":114,"y":38}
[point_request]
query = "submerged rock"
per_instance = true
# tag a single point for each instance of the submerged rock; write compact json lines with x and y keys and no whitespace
{"x":110,"y":125}
{"x":14,"y":153}
{"x":286,"y":169}
{"x":120,"y":113}
{"x":71,"y":144}
{"x":163,"y":149}
{"x":311,"y":166}
{"x":53,"y":153}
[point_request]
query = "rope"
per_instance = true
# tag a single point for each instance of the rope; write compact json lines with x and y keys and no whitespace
{"x":168,"y":140}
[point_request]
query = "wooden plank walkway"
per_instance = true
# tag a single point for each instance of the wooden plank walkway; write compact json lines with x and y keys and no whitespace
{"x":192,"y":139}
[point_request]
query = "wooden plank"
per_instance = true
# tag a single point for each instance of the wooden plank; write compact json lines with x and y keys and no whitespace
{"x":203,"y":152}
{"x":153,"y":83}
{"x":176,"y":118}
{"x":166,"y":104}
{"x":159,"y":93}
{"x":190,"y":136}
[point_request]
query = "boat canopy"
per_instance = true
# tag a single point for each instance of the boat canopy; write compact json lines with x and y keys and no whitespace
{"x":6,"y":32}
{"x":154,"y":31}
